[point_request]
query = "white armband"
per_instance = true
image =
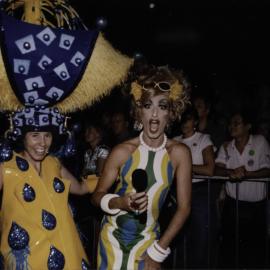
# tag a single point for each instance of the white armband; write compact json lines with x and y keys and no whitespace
{"x":157,"y":253}
{"x":104,"y":204}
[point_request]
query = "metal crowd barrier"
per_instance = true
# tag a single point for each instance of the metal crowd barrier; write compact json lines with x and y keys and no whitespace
{"x":223,"y":179}
{"x":91,"y":243}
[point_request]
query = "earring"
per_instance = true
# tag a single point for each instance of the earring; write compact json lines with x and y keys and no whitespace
{"x":138,"y":126}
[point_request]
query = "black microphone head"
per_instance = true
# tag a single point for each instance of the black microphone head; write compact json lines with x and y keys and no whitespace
{"x":139,"y":180}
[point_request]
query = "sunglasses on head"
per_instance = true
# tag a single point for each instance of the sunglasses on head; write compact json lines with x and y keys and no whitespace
{"x":162,"y":86}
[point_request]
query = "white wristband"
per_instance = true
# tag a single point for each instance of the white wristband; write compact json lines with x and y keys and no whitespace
{"x":161,"y":249}
{"x":104,"y":204}
{"x":157,"y":253}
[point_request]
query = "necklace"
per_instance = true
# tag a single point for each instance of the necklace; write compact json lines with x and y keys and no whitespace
{"x":153,"y":149}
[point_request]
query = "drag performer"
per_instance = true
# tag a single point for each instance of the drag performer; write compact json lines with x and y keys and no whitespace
{"x":130,"y":235}
{"x":45,"y":72}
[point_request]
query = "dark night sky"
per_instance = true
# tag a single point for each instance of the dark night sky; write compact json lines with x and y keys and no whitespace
{"x":222,"y":45}
{"x":213,"y":36}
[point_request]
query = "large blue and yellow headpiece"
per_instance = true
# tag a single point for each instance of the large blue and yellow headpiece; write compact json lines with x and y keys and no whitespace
{"x":43,"y":65}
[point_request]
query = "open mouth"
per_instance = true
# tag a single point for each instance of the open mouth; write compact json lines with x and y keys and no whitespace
{"x":154,"y":125}
{"x":40,"y":152}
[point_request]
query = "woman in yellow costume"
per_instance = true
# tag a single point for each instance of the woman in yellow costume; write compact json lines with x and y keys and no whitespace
{"x":38,"y":231}
{"x":145,"y":166}
{"x":46,"y":70}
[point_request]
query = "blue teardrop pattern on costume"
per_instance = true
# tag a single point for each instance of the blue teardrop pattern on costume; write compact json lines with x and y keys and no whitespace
{"x":1,"y":262}
{"x":58,"y":185}
{"x":28,"y":193}
{"x":6,"y":151}
{"x":22,"y":164}
{"x":18,"y":237}
{"x":48,"y":220}
{"x":56,"y":260}
{"x":85,"y":265}
{"x":18,"y":240}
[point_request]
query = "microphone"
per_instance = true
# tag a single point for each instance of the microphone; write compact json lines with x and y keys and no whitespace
{"x":139,"y":181}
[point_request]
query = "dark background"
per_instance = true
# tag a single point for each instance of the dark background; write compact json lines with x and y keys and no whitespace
{"x":205,"y":36}
{"x":223,"y":46}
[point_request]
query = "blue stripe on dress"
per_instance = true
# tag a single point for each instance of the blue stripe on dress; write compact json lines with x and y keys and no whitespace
{"x":124,"y":172}
{"x":126,"y":167}
{"x":104,"y":261}
{"x":162,"y":198}
{"x":170,"y":172}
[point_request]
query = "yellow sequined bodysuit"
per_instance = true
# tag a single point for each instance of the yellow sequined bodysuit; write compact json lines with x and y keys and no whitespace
{"x":38,"y":231}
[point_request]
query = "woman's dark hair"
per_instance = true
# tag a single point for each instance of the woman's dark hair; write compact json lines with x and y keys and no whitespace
{"x":97,"y":127}
{"x":204,"y":97}
{"x":190,"y":113}
{"x":246,"y":114}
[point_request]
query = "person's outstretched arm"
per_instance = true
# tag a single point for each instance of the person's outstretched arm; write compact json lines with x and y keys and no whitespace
{"x":76,"y":187}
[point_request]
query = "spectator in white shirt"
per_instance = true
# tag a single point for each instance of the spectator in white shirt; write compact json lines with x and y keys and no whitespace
{"x":245,"y":156}
{"x":203,"y":163}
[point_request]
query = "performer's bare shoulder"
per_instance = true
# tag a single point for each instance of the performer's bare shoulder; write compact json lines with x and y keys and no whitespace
{"x":121,"y":152}
{"x":177,"y":152}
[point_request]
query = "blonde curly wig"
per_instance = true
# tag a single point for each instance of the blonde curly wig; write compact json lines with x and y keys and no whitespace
{"x":151,"y":83}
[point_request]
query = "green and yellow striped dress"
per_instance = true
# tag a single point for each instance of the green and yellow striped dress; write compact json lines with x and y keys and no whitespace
{"x":123,"y":238}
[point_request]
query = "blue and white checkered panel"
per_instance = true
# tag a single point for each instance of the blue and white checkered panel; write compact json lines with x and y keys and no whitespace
{"x":31,"y":97}
{"x":26,"y":44}
{"x":17,"y":121}
{"x":40,"y":101}
{"x":77,"y":59}
{"x":55,"y":93}
{"x":56,"y":121}
{"x":46,"y":36}
{"x":43,"y":120}
{"x":30,"y":121}
{"x":66,"y":41}
{"x":44,"y":65}
{"x":62,"y":72}
{"x":21,"y":66}
{"x":39,"y":117}
{"x":44,"y":62}
{"x":34,"y":83}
